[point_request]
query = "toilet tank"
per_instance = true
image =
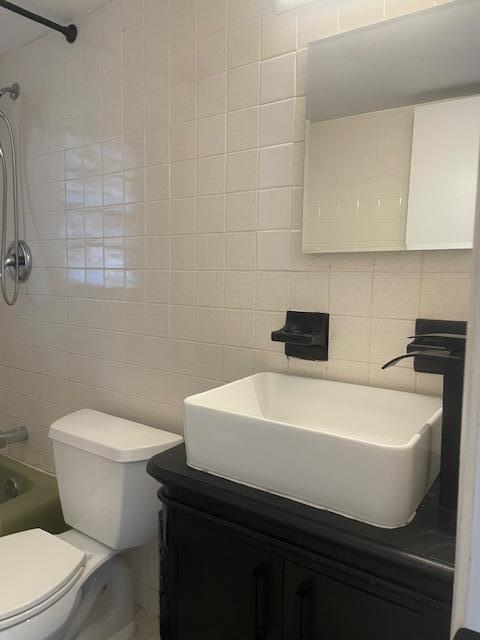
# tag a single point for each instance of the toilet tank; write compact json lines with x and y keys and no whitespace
{"x":105,"y":491}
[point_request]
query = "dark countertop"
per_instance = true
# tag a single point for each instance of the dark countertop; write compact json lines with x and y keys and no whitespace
{"x":419,"y":556}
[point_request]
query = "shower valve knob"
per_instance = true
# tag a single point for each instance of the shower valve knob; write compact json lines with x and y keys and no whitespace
{"x":24,"y":261}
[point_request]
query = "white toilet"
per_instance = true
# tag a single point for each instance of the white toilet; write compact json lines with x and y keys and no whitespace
{"x":75,"y":586}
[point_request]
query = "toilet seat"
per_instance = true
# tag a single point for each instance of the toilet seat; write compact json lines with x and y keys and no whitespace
{"x":37,"y":569}
{"x":53,"y":613}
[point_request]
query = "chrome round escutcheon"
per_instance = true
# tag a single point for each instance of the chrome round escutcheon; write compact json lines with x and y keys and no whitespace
{"x":24,"y":262}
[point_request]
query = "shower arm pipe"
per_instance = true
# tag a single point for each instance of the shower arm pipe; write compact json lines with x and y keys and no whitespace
{"x":70,"y":31}
{"x":3,"y":248}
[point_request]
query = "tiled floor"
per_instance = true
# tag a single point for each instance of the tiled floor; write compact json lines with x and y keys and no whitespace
{"x":147,"y":629}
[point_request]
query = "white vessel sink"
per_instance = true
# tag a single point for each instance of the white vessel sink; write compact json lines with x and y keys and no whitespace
{"x":366,"y":453}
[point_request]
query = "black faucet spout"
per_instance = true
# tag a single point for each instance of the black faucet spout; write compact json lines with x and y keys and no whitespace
{"x":428,"y":353}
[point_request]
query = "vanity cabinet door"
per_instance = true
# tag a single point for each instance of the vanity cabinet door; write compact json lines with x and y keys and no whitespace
{"x":223,"y":588}
{"x":319,"y":607}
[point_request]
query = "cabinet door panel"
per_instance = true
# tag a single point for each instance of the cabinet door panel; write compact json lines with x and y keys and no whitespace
{"x":225,"y":589}
{"x":318,"y":607}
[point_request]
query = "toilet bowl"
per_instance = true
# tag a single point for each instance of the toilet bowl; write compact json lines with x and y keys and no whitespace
{"x":76,"y":586}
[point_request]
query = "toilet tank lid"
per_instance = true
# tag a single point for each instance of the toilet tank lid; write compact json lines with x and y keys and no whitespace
{"x":110,"y":437}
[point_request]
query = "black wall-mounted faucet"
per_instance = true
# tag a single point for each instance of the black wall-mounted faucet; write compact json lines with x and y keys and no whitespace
{"x":305,"y":335}
{"x":439,"y":347}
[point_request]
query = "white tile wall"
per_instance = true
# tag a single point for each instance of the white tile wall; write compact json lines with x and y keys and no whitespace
{"x":161,"y":192}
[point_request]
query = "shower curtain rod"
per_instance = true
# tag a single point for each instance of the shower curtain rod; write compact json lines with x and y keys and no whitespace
{"x":70,"y":31}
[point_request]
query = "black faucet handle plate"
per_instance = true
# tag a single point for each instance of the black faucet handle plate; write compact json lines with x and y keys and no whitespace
{"x":446,"y":335}
{"x":453,"y":343}
{"x":434,"y":344}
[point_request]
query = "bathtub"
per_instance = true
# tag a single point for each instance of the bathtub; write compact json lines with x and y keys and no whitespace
{"x":28,"y":499}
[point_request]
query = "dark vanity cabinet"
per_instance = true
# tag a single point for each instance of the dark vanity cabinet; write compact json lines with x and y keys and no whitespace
{"x":219,"y":586}
{"x":241,"y":564}
{"x":323,"y":606}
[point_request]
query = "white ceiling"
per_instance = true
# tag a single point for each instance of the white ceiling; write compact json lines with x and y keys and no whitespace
{"x":16,"y":31}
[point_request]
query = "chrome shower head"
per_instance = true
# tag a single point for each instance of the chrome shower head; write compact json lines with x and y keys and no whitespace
{"x":13,"y":91}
